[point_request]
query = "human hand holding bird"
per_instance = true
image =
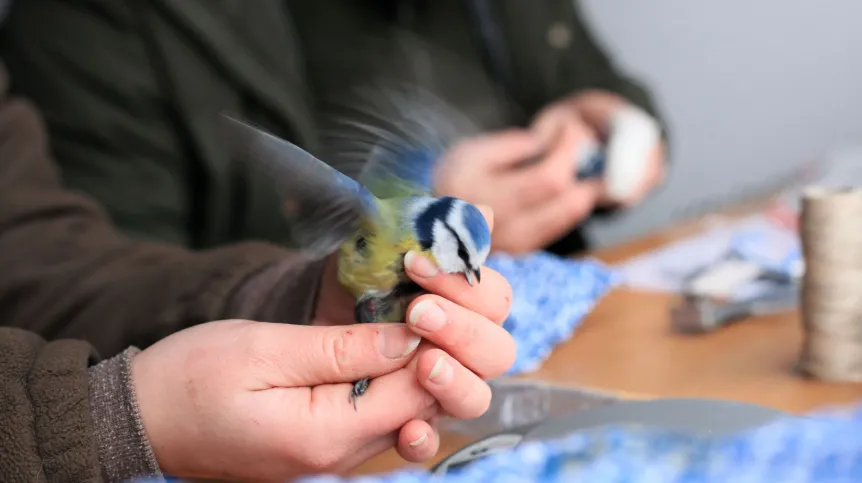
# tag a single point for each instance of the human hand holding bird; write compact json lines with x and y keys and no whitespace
{"x":374,"y":222}
{"x":528,"y":175}
{"x":261,"y":401}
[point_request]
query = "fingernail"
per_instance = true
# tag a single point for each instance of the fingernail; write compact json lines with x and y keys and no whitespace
{"x":419,"y":441}
{"x":427,"y":316}
{"x":397,"y":342}
{"x":441,"y":373}
{"x":486,"y":208}
{"x":420,"y":265}
{"x":487,"y":212}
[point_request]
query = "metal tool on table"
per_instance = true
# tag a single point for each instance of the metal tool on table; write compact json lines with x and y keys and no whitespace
{"x":517,"y":403}
{"x":709,"y":299}
{"x":517,"y":406}
{"x":699,"y":314}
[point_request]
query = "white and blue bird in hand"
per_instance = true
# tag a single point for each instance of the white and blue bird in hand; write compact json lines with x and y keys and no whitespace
{"x":373,"y":221}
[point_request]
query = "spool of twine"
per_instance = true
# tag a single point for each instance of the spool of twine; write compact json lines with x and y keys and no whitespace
{"x":831,"y":297}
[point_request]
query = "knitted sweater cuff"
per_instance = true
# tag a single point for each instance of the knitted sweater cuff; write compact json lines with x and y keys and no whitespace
{"x":124,"y":450}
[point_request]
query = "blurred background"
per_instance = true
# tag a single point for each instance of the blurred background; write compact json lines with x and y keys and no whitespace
{"x":750,"y":90}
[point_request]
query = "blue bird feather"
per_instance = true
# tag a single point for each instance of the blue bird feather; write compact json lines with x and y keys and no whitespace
{"x":477,"y":227}
{"x":397,"y":133}
{"x":324,"y":206}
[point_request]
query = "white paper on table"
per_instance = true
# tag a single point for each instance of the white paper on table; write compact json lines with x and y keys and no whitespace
{"x":669,"y":268}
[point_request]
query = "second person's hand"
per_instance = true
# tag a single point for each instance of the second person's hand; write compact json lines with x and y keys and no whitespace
{"x":534,"y":203}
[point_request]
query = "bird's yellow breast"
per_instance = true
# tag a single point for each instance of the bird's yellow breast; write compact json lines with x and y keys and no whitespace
{"x":374,"y":263}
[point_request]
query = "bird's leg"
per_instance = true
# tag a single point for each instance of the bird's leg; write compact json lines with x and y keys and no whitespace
{"x":371,"y":307}
{"x":359,"y":388}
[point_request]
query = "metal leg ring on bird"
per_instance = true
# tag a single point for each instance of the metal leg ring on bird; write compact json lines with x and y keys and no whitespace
{"x":359,"y":388}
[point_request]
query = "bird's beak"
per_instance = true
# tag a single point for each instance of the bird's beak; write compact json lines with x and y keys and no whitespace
{"x":474,"y":273}
{"x":469,"y":275}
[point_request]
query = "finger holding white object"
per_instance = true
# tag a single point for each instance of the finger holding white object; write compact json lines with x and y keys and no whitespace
{"x":633,"y":136}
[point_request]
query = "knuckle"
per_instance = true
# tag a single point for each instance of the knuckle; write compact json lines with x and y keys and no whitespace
{"x":429,"y":410}
{"x":554,"y":180}
{"x":335,"y":347}
{"x":462,"y":333}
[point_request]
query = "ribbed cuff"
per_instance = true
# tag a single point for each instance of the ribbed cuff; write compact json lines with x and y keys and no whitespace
{"x":124,"y":450}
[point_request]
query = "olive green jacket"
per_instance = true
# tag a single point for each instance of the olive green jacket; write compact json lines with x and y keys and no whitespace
{"x":131,"y":90}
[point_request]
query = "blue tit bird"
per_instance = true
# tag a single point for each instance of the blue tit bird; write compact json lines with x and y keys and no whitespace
{"x":389,"y":209}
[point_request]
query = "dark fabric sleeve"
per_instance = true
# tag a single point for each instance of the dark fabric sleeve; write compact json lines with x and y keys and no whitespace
{"x":579,"y":61}
{"x":578,"y":64}
{"x":66,"y":272}
{"x":46,"y":431}
{"x":603,"y":73}
{"x":90,"y":70}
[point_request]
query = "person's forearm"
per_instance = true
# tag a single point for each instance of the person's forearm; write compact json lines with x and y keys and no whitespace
{"x":67,"y":272}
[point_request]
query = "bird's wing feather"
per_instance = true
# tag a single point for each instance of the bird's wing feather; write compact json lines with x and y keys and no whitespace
{"x":324,"y":206}
{"x":398,"y":131}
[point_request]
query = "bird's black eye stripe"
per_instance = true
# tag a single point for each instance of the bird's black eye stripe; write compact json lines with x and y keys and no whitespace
{"x":462,"y":250}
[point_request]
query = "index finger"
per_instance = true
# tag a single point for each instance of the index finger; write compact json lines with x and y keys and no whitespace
{"x":555,"y":173}
{"x":491,"y":297}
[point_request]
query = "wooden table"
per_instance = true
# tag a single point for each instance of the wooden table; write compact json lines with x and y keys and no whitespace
{"x":626,"y":346}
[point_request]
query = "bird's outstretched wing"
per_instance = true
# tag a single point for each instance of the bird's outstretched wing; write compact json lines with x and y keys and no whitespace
{"x":324,"y":206}
{"x":397,"y":132}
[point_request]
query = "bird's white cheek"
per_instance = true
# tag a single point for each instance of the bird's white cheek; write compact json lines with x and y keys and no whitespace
{"x":445,"y":250}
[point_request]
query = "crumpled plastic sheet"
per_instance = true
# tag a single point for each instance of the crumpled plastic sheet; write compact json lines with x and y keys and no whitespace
{"x":820,"y":448}
{"x":551,"y":297}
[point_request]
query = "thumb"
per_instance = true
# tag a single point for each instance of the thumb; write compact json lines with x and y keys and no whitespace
{"x":330,"y":355}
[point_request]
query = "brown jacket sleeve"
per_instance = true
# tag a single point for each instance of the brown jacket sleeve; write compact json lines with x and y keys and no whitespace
{"x":64,"y":419}
{"x":46,"y":431}
{"x":66,"y":272}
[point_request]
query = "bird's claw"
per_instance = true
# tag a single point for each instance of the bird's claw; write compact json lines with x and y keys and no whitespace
{"x":359,"y":388}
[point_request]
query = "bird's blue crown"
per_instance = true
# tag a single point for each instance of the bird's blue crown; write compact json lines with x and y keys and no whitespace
{"x":477,"y":226}
{"x":471,"y":219}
